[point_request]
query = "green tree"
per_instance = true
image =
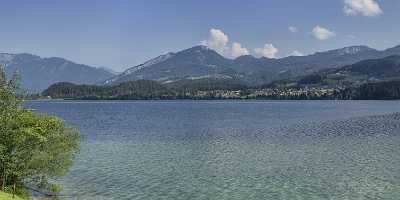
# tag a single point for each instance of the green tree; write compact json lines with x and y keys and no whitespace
{"x":33,"y":147}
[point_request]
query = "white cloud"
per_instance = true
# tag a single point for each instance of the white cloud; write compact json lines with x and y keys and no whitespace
{"x":296,"y":53}
{"x":293,"y":29}
{"x":322,"y":33}
{"x":268,"y":51}
{"x":217,"y":41}
{"x":368,"y":8}
{"x":237,"y":50}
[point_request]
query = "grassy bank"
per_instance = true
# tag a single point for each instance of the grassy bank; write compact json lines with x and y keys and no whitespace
{"x":5,"y":196}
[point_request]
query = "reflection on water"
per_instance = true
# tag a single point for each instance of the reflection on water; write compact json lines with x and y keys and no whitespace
{"x":233,"y":150}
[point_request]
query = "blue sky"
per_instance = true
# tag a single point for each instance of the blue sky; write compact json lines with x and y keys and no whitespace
{"x":122,"y":33}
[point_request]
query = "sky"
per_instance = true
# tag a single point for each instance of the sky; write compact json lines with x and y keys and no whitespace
{"x":123,"y":33}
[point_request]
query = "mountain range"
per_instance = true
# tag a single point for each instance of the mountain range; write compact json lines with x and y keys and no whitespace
{"x":39,"y":73}
{"x":200,"y":62}
{"x":368,"y":79}
{"x":196,"y":64}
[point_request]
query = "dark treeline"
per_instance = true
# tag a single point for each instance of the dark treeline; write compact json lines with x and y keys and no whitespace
{"x":141,"y":90}
{"x":152,"y":90}
{"x":387,"y":90}
{"x":129,"y":90}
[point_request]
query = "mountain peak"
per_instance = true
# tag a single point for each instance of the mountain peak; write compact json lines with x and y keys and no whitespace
{"x":245,"y":58}
{"x":200,"y":52}
{"x":356,"y":49}
{"x":350,"y":50}
{"x":197,"y":49}
{"x":353,"y":50}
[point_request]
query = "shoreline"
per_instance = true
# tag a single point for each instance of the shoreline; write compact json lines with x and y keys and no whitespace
{"x":200,"y":100}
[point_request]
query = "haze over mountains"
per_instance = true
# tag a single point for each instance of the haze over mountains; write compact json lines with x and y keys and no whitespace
{"x":193,"y":64}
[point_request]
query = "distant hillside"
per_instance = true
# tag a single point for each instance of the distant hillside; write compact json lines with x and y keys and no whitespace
{"x":377,"y":69}
{"x":195,"y":63}
{"x":201,"y":62}
{"x":39,"y":73}
{"x":373,"y":70}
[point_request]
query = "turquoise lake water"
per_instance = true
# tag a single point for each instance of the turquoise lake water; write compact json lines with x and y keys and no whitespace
{"x":232,"y":149}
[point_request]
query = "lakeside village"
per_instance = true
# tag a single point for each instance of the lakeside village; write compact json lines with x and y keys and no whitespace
{"x":267,"y":93}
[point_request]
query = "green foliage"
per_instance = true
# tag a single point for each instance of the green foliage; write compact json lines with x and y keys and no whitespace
{"x":142,"y":89}
{"x":33,"y":147}
{"x":5,"y":196}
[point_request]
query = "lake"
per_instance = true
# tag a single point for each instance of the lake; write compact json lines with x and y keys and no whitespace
{"x":232,"y":149}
